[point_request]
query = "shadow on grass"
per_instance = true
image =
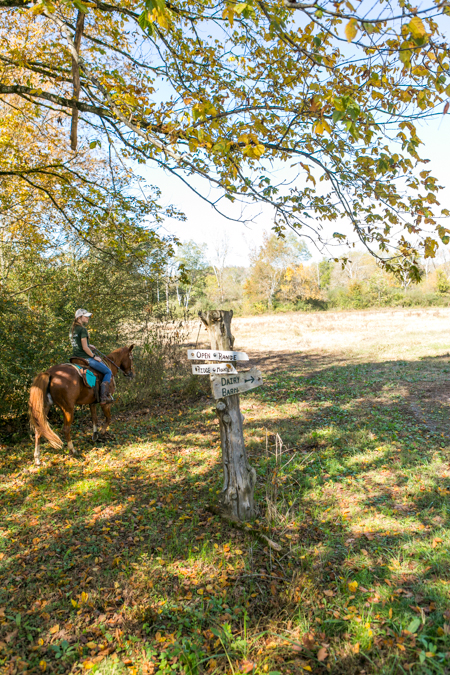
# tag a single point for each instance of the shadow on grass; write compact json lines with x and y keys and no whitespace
{"x":117,"y":552}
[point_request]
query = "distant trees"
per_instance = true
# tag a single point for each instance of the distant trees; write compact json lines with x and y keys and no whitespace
{"x":193,"y":262}
{"x":282,"y":277}
{"x":269,"y":264}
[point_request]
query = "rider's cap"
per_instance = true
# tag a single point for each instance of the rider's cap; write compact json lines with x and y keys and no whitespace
{"x":82,"y":312}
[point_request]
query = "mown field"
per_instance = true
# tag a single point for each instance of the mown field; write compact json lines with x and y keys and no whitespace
{"x":112,"y":562}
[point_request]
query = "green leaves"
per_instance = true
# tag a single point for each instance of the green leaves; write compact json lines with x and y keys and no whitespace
{"x":80,"y":6}
{"x":155,"y":11}
{"x":414,"y":626}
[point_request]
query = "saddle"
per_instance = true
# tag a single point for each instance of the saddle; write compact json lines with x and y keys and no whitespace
{"x":90,"y":379}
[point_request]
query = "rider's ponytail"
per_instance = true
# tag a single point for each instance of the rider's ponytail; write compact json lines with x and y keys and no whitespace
{"x":74,"y":323}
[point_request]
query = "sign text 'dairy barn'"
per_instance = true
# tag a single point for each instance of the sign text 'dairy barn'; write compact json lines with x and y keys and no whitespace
{"x":227,"y":385}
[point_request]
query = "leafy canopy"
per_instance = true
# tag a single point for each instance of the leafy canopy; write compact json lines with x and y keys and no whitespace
{"x":310,"y":109}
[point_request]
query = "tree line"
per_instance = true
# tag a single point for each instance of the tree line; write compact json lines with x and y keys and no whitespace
{"x":282,"y":277}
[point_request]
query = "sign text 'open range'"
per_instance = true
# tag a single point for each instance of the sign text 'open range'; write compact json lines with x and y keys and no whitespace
{"x":215,"y":355}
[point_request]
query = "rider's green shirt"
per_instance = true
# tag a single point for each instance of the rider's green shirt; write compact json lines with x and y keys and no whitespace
{"x":78,"y":333}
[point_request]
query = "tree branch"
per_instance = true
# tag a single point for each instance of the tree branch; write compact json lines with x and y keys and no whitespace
{"x":23,"y":91}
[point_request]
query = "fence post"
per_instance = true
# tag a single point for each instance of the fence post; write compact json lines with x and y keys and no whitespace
{"x":239,"y":478}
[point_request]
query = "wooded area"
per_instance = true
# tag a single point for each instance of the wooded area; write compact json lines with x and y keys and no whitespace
{"x":282,"y":277}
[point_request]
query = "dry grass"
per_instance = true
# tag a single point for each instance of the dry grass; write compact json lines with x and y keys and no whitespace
{"x":384,"y":334}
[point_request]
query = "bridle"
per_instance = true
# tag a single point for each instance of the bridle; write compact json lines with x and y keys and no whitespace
{"x":119,"y":368}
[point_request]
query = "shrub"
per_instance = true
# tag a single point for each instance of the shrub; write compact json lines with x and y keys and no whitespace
{"x":30,"y":341}
{"x":159,"y":360}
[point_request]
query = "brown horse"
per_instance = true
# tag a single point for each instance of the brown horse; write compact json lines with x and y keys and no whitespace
{"x":63,"y":386}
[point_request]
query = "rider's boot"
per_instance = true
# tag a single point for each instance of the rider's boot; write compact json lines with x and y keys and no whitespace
{"x":105,"y":396}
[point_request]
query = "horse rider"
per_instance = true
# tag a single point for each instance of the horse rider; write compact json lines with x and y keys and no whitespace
{"x":79,"y":337}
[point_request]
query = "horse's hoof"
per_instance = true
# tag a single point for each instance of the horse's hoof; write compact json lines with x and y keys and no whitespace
{"x":95,"y":436}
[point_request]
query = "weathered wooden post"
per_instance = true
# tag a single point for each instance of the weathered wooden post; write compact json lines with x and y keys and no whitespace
{"x":237,"y":496}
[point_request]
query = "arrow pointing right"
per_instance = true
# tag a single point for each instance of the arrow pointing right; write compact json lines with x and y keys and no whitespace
{"x":252,"y":379}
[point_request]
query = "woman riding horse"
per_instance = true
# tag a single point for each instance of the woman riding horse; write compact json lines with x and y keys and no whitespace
{"x":63,"y":386}
{"x":79,"y":338}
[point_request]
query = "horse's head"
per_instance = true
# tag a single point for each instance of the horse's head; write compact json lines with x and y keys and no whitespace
{"x":126,"y":362}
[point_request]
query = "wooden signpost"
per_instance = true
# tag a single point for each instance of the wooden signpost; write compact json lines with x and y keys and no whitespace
{"x":239,"y":478}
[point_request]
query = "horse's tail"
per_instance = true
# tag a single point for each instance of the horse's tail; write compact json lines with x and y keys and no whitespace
{"x":36,"y":410}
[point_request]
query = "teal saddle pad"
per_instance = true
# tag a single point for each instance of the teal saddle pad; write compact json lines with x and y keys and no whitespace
{"x":90,"y":377}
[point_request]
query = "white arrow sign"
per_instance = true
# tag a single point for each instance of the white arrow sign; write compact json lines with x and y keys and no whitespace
{"x":227,"y":385}
{"x":215,"y":355}
{"x":213,"y":369}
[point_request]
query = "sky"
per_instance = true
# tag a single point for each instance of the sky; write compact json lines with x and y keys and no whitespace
{"x":205,"y":225}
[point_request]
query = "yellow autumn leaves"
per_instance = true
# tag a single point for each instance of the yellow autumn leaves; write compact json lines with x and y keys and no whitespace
{"x":415,"y":27}
{"x":320,"y":126}
{"x":253,"y":149}
{"x":82,"y":600}
{"x":351,"y":30}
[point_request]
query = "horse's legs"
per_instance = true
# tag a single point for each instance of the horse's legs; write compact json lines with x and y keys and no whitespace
{"x":107,"y":413}
{"x":93,"y":407}
{"x":37,"y":448}
{"x":68,"y":419}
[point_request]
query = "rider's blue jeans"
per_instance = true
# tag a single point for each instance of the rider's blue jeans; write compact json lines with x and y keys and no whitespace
{"x":100,"y":366}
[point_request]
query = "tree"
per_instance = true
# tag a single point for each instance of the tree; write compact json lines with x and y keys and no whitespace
{"x":50,"y":197}
{"x":269,"y":264}
{"x":219,"y":259}
{"x":442,"y":281}
{"x":325,"y":271}
{"x":356,"y":266}
{"x":299,"y":283}
{"x":192,"y":259}
{"x":230,"y":293}
{"x":154,"y":82}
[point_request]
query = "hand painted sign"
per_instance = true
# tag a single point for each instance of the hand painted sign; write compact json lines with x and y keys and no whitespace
{"x":215,"y":355}
{"x":227,"y":385}
{"x":213,"y":369}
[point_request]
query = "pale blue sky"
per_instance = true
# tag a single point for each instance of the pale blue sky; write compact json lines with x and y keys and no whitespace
{"x":204,"y":225}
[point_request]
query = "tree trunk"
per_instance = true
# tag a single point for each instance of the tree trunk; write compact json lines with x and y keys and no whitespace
{"x":167,"y":294}
{"x":76,"y":80}
{"x":236,"y":499}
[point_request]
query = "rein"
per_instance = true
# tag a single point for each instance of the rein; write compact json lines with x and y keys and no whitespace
{"x":119,"y":368}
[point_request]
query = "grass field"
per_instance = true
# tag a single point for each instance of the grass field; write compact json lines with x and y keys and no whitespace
{"x":112,"y":563}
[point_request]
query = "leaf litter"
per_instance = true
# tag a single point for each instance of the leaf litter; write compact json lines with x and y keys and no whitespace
{"x":115,"y":560}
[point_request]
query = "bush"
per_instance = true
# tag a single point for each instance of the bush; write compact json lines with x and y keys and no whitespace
{"x":30,"y":341}
{"x":362,"y":296}
{"x":159,"y":360}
